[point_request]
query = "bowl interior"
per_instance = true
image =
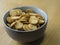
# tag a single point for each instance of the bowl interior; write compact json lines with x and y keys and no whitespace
{"x":35,"y":9}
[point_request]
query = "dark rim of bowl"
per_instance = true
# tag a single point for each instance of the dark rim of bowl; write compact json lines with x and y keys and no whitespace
{"x":25,"y":31}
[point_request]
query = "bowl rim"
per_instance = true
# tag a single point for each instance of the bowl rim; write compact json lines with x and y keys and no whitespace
{"x":21,"y":7}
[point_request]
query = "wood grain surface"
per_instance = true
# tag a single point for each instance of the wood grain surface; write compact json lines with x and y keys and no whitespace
{"x":51,"y":7}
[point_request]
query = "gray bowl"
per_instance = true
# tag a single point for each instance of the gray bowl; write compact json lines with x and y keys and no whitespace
{"x":26,"y":36}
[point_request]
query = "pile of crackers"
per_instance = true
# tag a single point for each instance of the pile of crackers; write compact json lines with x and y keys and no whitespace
{"x":24,"y":20}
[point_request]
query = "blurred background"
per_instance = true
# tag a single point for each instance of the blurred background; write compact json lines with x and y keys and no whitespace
{"x":51,"y":7}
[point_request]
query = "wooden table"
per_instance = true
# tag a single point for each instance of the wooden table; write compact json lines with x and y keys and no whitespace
{"x":51,"y":7}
